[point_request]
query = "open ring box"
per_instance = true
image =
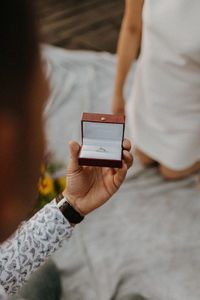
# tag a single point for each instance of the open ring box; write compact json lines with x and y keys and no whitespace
{"x":102,"y":139}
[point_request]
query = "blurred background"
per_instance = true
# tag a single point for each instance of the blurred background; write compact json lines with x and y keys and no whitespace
{"x":144,"y":243}
{"x":81,"y":24}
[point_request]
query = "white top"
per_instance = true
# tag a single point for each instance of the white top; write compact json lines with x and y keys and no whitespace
{"x":164,"y":106}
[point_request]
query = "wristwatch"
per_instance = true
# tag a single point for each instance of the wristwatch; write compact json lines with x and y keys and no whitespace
{"x":67,"y":210}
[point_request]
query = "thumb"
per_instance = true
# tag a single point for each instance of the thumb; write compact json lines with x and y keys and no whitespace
{"x":73,"y":165}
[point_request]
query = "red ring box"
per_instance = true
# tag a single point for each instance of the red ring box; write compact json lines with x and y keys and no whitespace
{"x":102,"y":139}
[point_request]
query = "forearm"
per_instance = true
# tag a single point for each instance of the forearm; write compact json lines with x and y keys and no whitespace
{"x":127,"y":51}
{"x":32,"y":243}
{"x":128,"y":44}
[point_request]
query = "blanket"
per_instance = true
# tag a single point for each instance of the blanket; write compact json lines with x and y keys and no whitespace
{"x":145,"y":242}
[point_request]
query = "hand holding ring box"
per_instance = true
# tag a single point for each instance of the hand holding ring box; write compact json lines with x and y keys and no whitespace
{"x":102,"y":139}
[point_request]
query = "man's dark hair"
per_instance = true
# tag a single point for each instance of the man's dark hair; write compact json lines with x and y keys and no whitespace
{"x":18,"y":53}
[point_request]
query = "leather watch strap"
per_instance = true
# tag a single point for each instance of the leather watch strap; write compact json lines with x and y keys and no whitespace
{"x":67,"y":210}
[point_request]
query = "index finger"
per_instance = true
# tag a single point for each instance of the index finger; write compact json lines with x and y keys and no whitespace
{"x":126,"y":145}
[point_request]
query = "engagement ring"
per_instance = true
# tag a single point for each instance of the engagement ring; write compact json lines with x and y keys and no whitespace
{"x":101,"y":149}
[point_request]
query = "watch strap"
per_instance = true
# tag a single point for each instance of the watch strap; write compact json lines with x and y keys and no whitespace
{"x":67,"y":210}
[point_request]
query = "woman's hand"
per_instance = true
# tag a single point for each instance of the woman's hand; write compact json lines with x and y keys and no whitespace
{"x":118,"y":105}
{"x":90,"y":187}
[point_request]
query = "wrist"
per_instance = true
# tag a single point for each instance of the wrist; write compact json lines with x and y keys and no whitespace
{"x":68,"y":210}
{"x":118,"y":94}
{"x":73,"y":202}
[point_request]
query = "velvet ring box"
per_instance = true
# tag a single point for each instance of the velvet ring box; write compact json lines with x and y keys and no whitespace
{"x":102,"y":138}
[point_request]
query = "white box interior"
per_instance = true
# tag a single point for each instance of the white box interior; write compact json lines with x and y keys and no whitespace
{"x":102,"y":140}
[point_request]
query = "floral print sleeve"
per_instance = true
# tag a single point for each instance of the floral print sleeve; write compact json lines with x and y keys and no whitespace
{"x":31,"y":244}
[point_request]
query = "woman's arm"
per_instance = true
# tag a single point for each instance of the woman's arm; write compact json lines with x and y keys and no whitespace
{"x":127,"y":49}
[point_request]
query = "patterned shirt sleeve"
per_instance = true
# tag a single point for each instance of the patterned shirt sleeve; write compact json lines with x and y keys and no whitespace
{"x":31,"y":244}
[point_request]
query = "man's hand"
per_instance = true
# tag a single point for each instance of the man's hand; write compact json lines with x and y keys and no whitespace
{"x":90,"y":187}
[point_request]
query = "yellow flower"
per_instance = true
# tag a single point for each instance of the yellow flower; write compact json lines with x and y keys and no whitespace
{"x":62,"y":182}
{"x":46,"y":185}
